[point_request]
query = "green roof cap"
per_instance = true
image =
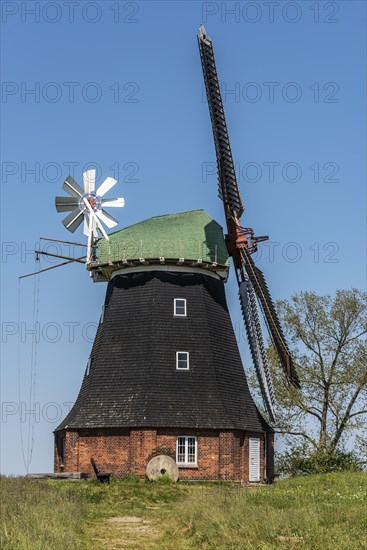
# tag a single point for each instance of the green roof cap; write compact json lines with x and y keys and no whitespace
{"x":192,"y":235}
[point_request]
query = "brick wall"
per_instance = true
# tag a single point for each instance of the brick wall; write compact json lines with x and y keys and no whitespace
{"x":221,"y":454}
{"x":208,"y":452}
{"x":111,"y":451}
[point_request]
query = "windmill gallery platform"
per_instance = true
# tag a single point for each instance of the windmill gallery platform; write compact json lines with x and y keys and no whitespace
{"x":165,"y":374}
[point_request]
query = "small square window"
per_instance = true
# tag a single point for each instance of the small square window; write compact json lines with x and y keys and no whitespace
{"x":186,"y":451}
{"x":182,"y":360}
{"x":88,"y":366}
{"x":179,"y":307}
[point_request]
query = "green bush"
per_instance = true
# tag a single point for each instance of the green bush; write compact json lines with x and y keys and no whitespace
{"x":299,"y":462}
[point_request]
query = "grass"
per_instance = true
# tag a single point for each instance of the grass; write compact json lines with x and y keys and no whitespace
{"x":36,"y":516}
{"x":325,"y":512}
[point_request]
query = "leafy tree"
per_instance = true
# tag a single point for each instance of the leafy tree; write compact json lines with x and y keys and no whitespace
{"x":327,"y":337}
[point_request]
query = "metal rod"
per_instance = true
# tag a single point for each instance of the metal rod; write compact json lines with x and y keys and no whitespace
{"x":52,"y":267}
{"x":59,"y":241}
{"x":59,"y":256}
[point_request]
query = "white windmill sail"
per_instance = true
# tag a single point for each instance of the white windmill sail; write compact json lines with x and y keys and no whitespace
{"x":86,"y":205}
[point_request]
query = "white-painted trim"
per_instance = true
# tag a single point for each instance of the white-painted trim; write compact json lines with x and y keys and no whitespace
{"x":187,"y":464}
{"x":169,"y":268}
{"x":175,"y":314}
{"x":254,"y":449}
{"x":88,"y":366}
{"x":188,"y":360}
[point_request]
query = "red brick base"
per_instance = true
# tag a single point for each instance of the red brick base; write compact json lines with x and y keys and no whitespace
{"x":222,"y":455}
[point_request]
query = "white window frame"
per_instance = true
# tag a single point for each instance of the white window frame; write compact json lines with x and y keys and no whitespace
{"x":186,"y":463}
{"x":175,"y":314}
{"x":88,"y":366}
{"x":188,"y":360}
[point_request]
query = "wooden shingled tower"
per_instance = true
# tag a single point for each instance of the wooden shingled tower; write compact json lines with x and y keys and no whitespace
{"x":165,"y":376}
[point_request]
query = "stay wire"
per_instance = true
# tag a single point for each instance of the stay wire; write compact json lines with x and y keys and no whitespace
{"x":19,"y":377}
{"x":27,"y":456}
{"x":36,"y":342}
{"x":31,"y":369}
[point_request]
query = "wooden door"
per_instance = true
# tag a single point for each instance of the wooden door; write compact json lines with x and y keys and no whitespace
{"x":254,"y":459}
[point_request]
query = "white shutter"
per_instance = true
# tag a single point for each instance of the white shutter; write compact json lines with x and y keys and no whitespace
{"x":254,"y":459}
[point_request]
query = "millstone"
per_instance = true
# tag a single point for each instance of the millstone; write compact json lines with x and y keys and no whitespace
{"x":162,"y":465}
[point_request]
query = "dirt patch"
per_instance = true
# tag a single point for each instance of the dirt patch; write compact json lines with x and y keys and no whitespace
{"x":133,"y":524}
{"x":144,"y":529}
{"x":128,"y":519}
{"x":289,"y":539}
{"x":120,"y":532}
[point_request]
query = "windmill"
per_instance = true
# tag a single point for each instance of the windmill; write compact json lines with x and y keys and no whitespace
{"x":165,"y":375}
{"x":88,"y":205}
{"x":241,"y":241}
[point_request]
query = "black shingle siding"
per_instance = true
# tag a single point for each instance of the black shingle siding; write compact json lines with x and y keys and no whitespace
{"x":133,"y":381}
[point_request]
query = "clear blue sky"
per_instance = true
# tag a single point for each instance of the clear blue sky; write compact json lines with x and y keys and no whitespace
{"x":298,"y":109}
